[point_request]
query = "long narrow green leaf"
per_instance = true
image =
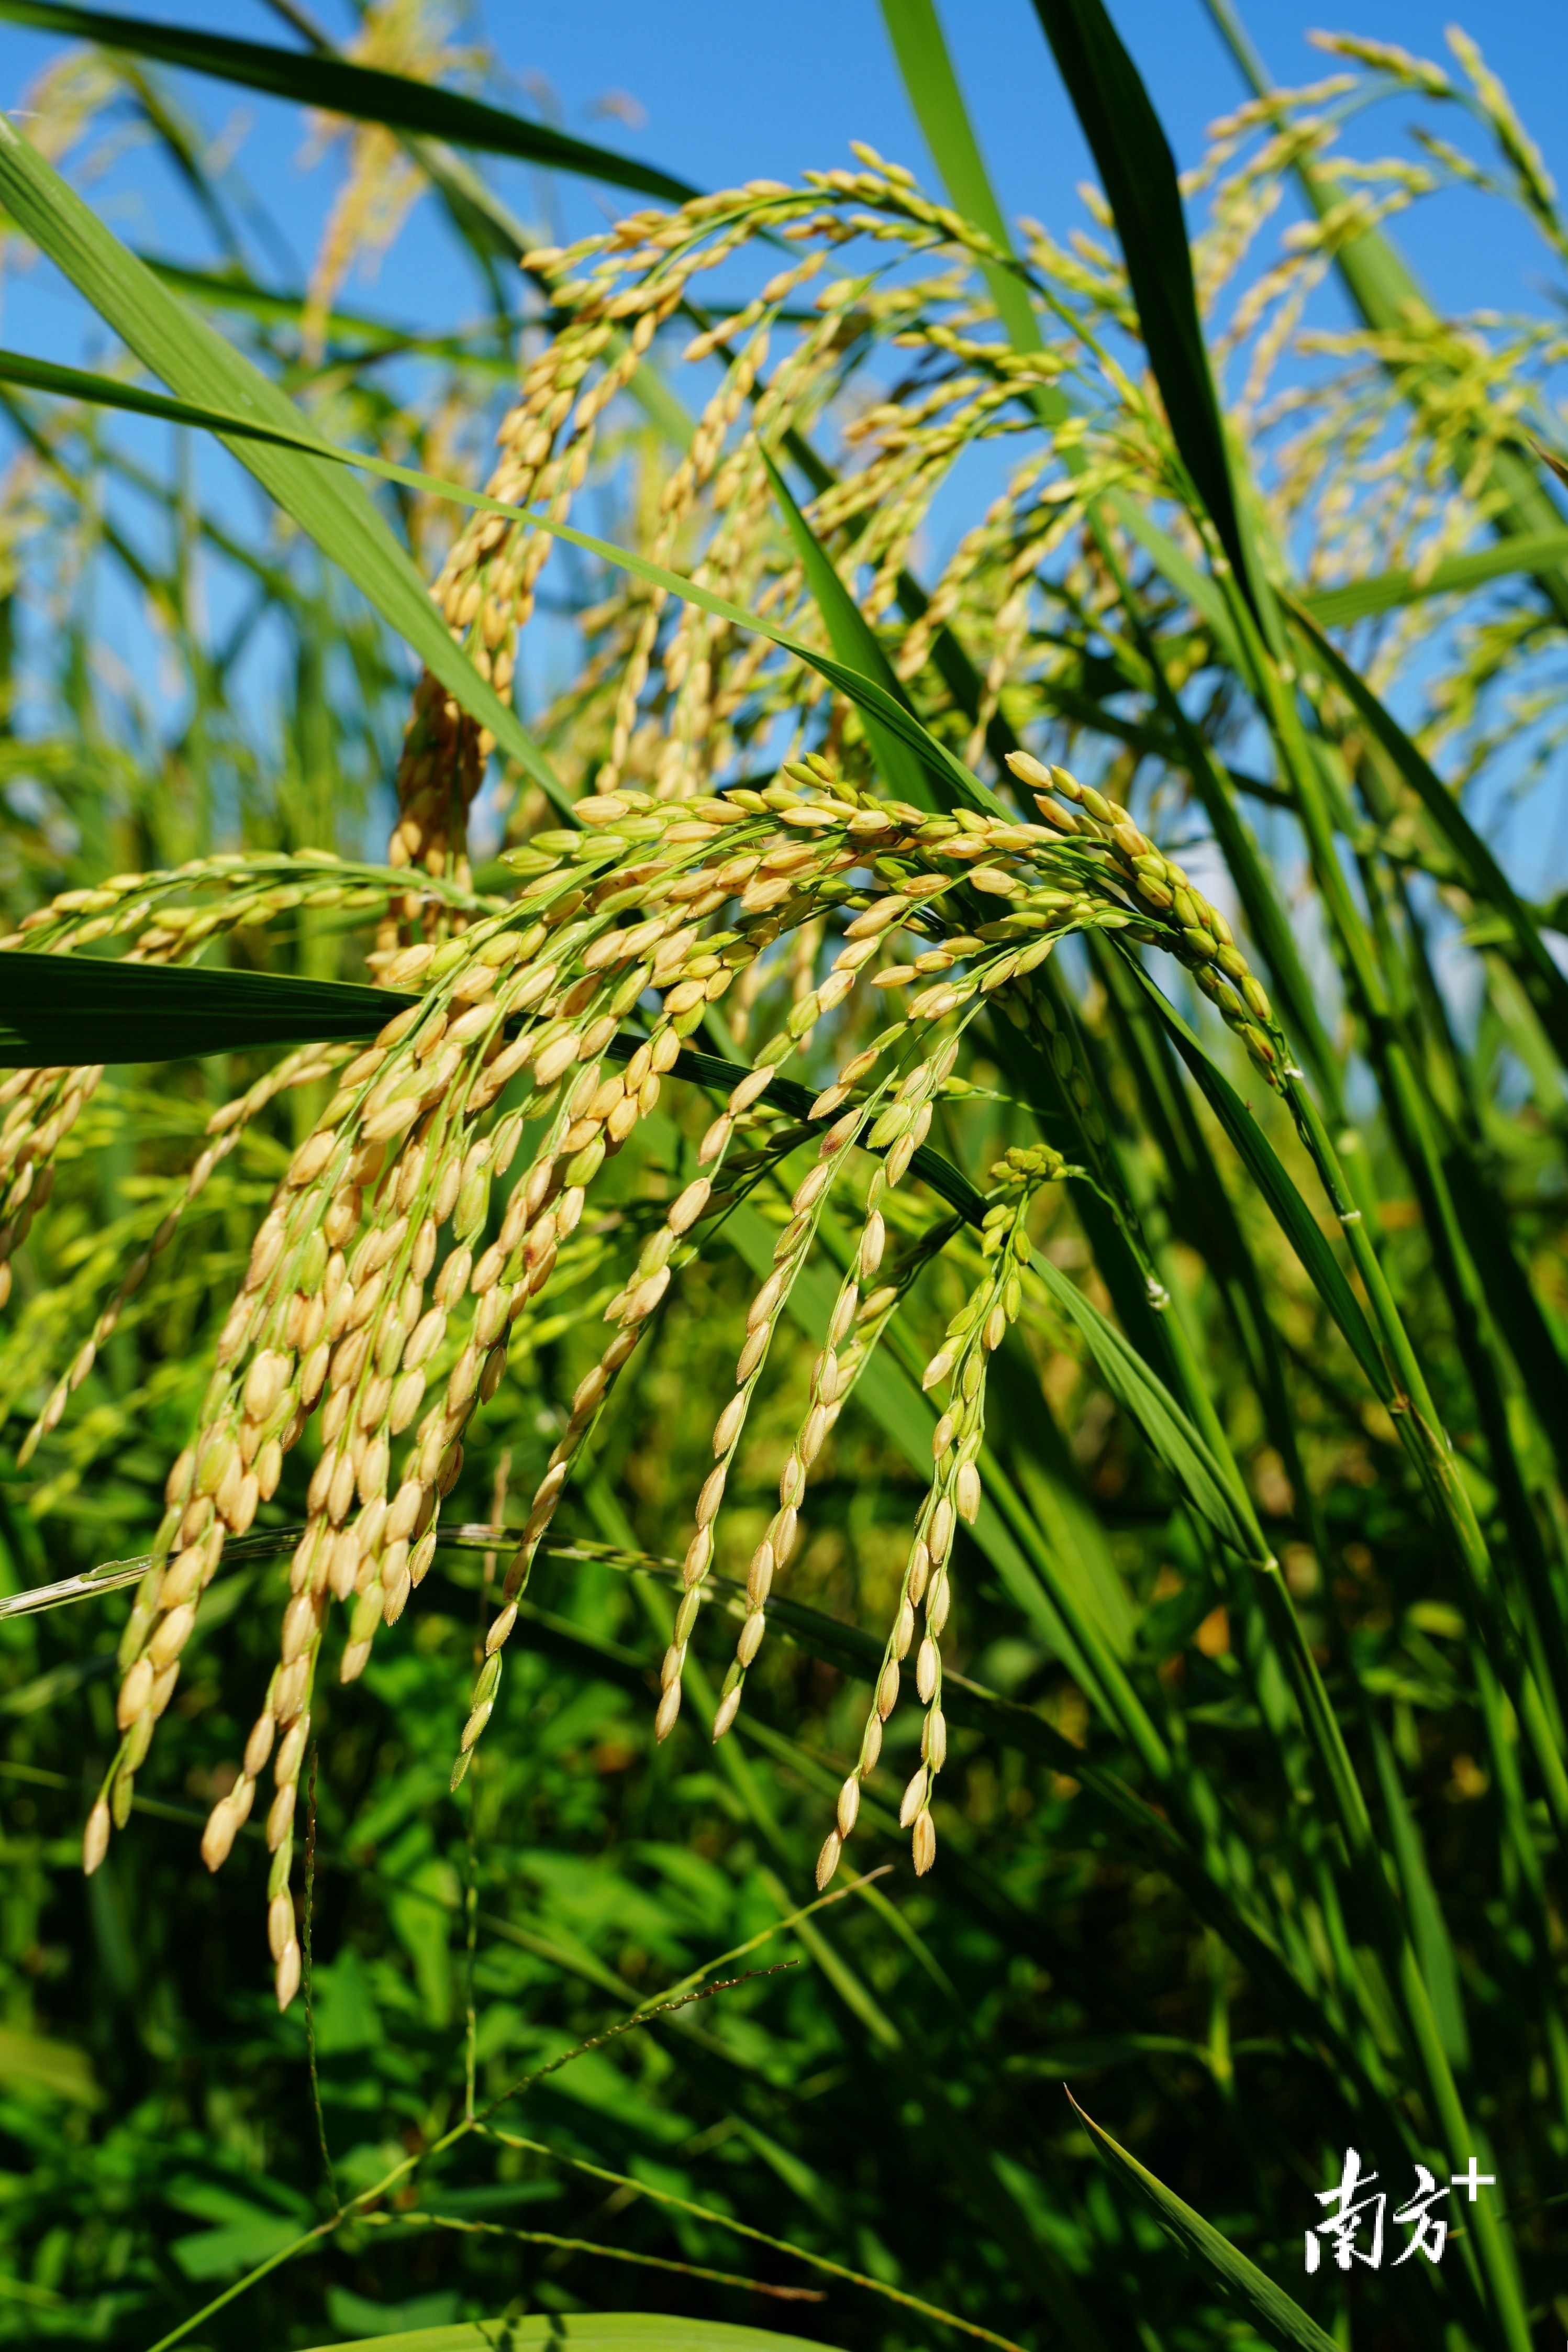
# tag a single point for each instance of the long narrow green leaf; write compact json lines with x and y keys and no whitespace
{"x":107,"y":392}
{"x":1428,"y":1928}
{"x":855,"y":641}
{"x":1483,"y":875}
{"x":198,"y":365}
{"x":1297,"y":1221}
{"x":1272,"y":2310}
{"x":67,"y":1011}
{"x":595,"y":2332}
{"x":914,"y":30}
{"x":1512,"y":1300}
{"x":1158,"y":1415}
{"x":1534,"y":551}
{"x":1138,"y":174}
{"x":581,"y":2331}
{"x":229,"y":289}
{"x":362,"y":93}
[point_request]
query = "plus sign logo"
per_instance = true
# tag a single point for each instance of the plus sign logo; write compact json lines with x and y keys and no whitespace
{"x":1353,"y":2229}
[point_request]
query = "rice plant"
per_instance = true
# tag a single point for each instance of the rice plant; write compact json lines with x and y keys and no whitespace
{"x":838,"y":1399}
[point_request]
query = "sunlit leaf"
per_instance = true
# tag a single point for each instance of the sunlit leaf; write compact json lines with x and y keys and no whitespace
{"x":361,"y":93}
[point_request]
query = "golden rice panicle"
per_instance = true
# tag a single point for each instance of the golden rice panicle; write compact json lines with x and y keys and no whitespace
{"x":486,"y":585}
{"x":855,"y":1327}
{"x":351,"y":1306}
{"x":791,"y":1252}
{"x":41,"y":1108}
{"x":612,"y":1105}
{"x":348,"y":1304}
{"x":1182,"y":920}
{"x":249,"y":1420}
{"x":595,"y":1116}
{"x":830,"y":1384}
{"x":226,"y":1126}
{"x":247,"y":1424}
{"x":561,"y":1179}
{"x":973,"y":1335}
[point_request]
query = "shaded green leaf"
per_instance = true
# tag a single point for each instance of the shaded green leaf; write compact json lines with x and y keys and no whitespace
{"x":65,"y":1010}
{"x":1281,"y":2319}
{"x":1158,"y":1415}
{"x":1428,"y":1928}
{"x":1263,"y":1164}
{"x":1482,"y":873}
{"x":70,"y":1010}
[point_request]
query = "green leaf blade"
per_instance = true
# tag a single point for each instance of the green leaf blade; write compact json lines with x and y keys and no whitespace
{"x":1138,"y":174}
{"x":1279,"y":2318}
{"x":70,"y":1010}
{"x":1262,"y":1163}
{"x":361,"y":93}
{"x":855,"y":641}
{"x":1146,"y":1398}
{"x":582,"y":2331}
{"x":198,"y":365}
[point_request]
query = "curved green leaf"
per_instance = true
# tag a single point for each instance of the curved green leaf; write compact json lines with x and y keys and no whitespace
{"x":914,"y":30}
{"x":582,"y":2331}
{"x":65,"y":1011}
{"x":1262,"y":1163}
{"x":362,"y":93}
{"x":854,"y":640}
{"x":200,"y":367}
{"x":1536,"y":551}
{"x":1138,"y":174}
{"x":1158,"y":1415}
{"x":1272,"y":2310}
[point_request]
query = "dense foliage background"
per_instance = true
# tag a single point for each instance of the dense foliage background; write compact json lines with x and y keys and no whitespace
{"x":1149,"y":1888}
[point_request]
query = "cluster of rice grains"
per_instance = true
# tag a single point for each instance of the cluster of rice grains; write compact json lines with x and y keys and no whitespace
{"x":165,"y":918}
{"x":979,"y":1329}
{"x":666,"y":699}
{"x":381,"y":1257}
{"x":381,"y":1247}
